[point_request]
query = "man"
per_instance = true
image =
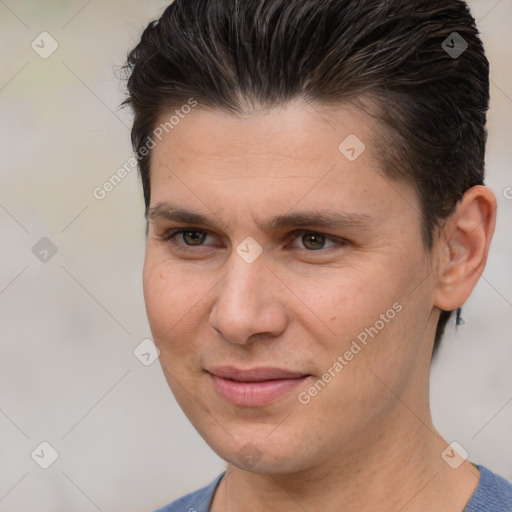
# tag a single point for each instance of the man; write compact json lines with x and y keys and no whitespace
{"x":313,"y":178}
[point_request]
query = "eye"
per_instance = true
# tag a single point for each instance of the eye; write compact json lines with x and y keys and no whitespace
{"x":313,"y":241}
{"x":190,"y":237}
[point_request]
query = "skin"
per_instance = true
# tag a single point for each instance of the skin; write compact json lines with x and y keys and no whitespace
{"x":365,"y":441}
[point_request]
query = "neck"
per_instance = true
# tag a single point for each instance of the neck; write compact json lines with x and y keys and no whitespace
{"x":397,"y":465}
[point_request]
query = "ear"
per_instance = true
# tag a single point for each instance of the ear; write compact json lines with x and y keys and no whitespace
{"x":463,"y":247}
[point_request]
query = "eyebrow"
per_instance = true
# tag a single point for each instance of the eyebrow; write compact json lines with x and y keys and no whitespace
{"x":315,"y":218}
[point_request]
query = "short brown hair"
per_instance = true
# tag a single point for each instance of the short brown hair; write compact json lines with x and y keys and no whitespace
{"x":422,"y":61}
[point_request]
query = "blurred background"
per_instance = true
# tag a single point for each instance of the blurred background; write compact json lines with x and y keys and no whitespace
{"x":78,"y":394}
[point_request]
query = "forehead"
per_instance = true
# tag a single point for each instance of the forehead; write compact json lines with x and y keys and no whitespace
{"x":277,"y":158}
{"x":296,"y":131}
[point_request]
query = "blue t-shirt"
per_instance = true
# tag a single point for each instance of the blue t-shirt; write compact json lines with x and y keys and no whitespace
{"x":493,"y":494}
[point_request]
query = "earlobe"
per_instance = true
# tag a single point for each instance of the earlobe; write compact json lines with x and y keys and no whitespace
{"x":463,"y":247}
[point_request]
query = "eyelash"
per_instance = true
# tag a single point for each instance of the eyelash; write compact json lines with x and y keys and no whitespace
{"x":170,"y":236}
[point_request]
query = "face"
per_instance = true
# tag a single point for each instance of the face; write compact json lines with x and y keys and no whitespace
{"x":286,"y":284}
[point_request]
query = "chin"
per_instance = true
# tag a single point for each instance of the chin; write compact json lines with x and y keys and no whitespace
{"x":259,"y":454}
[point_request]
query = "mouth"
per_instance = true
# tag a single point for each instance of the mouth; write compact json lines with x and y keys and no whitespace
{"x":254,"y":387}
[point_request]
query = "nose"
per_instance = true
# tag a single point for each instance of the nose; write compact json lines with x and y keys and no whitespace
{"x":249,"y":302}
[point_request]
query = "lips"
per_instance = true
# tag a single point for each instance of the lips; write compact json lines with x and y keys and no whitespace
{"x":254,"y":374}
{"x":254,"y":387}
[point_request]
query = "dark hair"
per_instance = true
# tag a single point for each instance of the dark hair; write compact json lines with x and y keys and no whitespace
{"x":428,"y":93}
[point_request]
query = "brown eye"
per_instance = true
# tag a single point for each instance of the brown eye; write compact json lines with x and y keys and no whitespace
{"x":193,"y":237}
{"x":313,"y":241}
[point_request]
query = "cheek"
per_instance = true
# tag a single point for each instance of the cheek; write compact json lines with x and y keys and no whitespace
{"x":159,"y":298}
{"x":350,"y":301}
{"x":167,"y":299}
{"x":371,"y":313}
{"x":176,"y":304}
